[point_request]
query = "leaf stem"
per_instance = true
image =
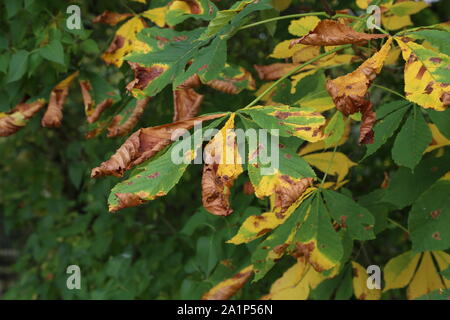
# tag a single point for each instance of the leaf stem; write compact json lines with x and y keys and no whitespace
{"x":341,"y":15}
{"x":291,"y":16}
{"x":389,"y":90}
{"x":395,"y":223}
{"x":297,"y":69}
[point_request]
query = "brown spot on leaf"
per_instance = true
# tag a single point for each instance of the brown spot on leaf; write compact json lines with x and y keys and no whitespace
{"x":436,"y":235}
{"x":435,"y":213}
{"x":153,"y":175}
{"x":421,"y":72}
{"x":435,"y":60}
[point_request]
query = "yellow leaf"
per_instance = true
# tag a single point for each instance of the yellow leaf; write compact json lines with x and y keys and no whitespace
{"x":125,"y":42}
{"x":406,"y":8}
{"x":305,"y":53}
{"x":399,"y":271}
{"x":392,"y":57}
{"x":363,"y":4}
{"x":157,"y":16}
{"x":303,"y":25}
{"x":425,"y":280}
{"x":394,"y":22}
{"x":319,"y":100}
{"x":443,"y":261}
{"x":397,"y":16}
{"x":223,"y":165}
{"x":229,"y":287}
{"x":230,"y":162}
{"x":282,"y":50}
{"x":320,"y":145}
{"x":438,"y":141}
{"x":362,"y":292}
{"x":423,"y":84}
{"x":258,"y":225}
{"x":296,"y":78}
{"x":334,"y":164}
{"x":296,"y":283}
{"x":281,"y":5}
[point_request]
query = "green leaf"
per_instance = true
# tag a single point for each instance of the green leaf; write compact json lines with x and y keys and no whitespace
{"x":442,"y":121}
{"x":175,"y":55}
{"x":436,"y":295}
{"x":385,"y":128}
{"x":350,"y":215}
{"x":429,"y":219}
{"x":4,"y":62}
{"x":233,"y":17}
{"x":412,"y":140}
{"x":53,"y":51}
{"x":290,"y":163}
{"x":13,"y":7}
{"x":209,"y":251}
{"x":262,"y":258}
{"x":437,"y":38}
{"x":446,"y":273}
{"x":309,"y":87}
{"x":17,"y":66}
{"x":208,"y":8}
{"x":406,"y":186}
{"x":303,"y":123}
{"x":334,"y":129}
{"x":89,"y":46}
{"x":317,"y":233}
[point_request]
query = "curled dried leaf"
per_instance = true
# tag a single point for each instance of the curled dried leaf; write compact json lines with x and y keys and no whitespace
{"x":53,"y":115}
{"x":333,"y":33}
{"x":274,"y":71}
{"x":111,"y":18}
{"x":288,"y":191}
{"x":15,"y":120}
{"x":350,"y":92}
{"x":144,"y":75}
{"x":220,"y":171}
{"x":186,"y":104}
{"x":142,"y":145}
{"x":186,"y":100}
{"x":116,"y":129}
{"x":229,"y":85}
{"x":228,"y":288}
{"x":93,"y":112}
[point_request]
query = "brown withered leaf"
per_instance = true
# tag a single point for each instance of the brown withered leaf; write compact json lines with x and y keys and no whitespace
{"x":144,"y":75}
{"x":288,"y":191}
{"x":15,"y":120}
{"x":229,"y":287}
{"x":111,"y":18}
{"x":53,"y":115}
{"x":89,"y":104}
{"x":142,"y":145}
{"x":116,"y":129}
{"x":228,"y":85}
{"x":219,"y":171}
{"x":216,"y":191}
{"x":186,"y":100}
{"x":333,"y":33}
{"x":350,"y":92}
{"x":274,"y":71}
